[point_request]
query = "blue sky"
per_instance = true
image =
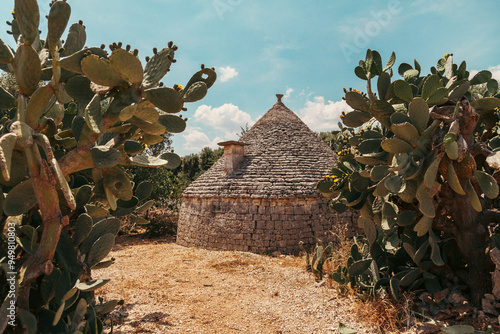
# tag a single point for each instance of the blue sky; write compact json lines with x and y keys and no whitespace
{"x":306,"y":50}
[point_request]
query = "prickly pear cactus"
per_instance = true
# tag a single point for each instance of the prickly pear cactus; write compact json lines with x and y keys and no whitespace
{"x":422,"y":169}
{"x":80,"y":115}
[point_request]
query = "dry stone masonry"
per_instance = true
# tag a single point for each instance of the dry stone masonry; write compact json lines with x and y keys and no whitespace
{"x":268,"y":201}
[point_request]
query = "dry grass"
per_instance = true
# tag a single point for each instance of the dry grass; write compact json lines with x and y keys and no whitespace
{"x":386,"y":315}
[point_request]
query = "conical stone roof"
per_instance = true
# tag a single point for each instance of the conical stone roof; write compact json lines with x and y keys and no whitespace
{"x":283,"y":159}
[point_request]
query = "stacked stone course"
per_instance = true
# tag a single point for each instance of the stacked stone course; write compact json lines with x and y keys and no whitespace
{"x":258,"y":225}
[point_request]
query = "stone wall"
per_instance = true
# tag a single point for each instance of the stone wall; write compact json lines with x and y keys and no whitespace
{"x":258,"y":225}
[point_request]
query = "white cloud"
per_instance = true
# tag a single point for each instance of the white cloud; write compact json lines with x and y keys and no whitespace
{"x":321,"y":116}
{"x":227,"y":73}
{"x":195,"y":140}
{"x":288,"y":92}
{"x":227,"y":118}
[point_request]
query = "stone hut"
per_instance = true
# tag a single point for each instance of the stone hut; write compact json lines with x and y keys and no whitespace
{"x":260,"y":196}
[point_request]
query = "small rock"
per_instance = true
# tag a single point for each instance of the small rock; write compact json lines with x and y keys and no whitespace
{"x":488,"y":306}
{"x":496,"y":283}
{"x":428,"y":327}
{"x":439,"y":296}
{"x":424,"y":296}
{"x":320,"y":284}
{"x":495,"y":256}
{"x":489,"y":296}
{"x":456,"y":298}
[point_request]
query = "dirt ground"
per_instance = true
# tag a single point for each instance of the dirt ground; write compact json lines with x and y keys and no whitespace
{"x":168,"y":288}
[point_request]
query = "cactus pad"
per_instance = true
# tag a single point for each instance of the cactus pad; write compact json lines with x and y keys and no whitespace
{"x":127,"y":113}
{"x":151,"y":139}
{"x":196,"y":92}
{"x":488,"y":184}
{"x":99,"y":71}
{"x":143,"y":190}
{"x":148,"y":127}
{"x":20,"y":199}
{"x":78,"y":87}
{"x":165,"y":98}
{"x":396,"y":145}
{"x":157,"y":67}
{"x":83,"y":227}
{"x":105,"y":157}
{"x":37,"y":104}
{"x":7,"y":144}
{"x":118,"y":182}
{"x":172,"y":123}
{"x":6,"y":54}
{"x":100,"y":249}
{"x":75,"y":41}
{"x":127,"y":66}
{"x":73,"y":62}
{"x":145,"y":207}
{"x":133,"y":147}
{"x":147,"y":114}
{"x":356,"y":118}
{"x":403,"y":90}
{"x":174,"y":160}
{"x":206,"y":75}
{"x":28,"y":18}
{"x":407,"y":132}
{"x":105,"y":226}
{"x":58,"y":18}
{"x":453,"y":180}
{"x":27,"y":69}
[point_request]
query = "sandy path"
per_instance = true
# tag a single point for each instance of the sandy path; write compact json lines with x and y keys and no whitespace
{"x":168,"y":288}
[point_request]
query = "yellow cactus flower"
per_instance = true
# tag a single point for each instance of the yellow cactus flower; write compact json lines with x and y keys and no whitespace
{"x":355,"y":90}
{"x":446,"y":56}
{"x":181,"y":87}
{"x":336,"y":180}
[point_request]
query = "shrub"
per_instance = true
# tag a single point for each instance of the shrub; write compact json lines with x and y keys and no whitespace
{"x":422,"y":171}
